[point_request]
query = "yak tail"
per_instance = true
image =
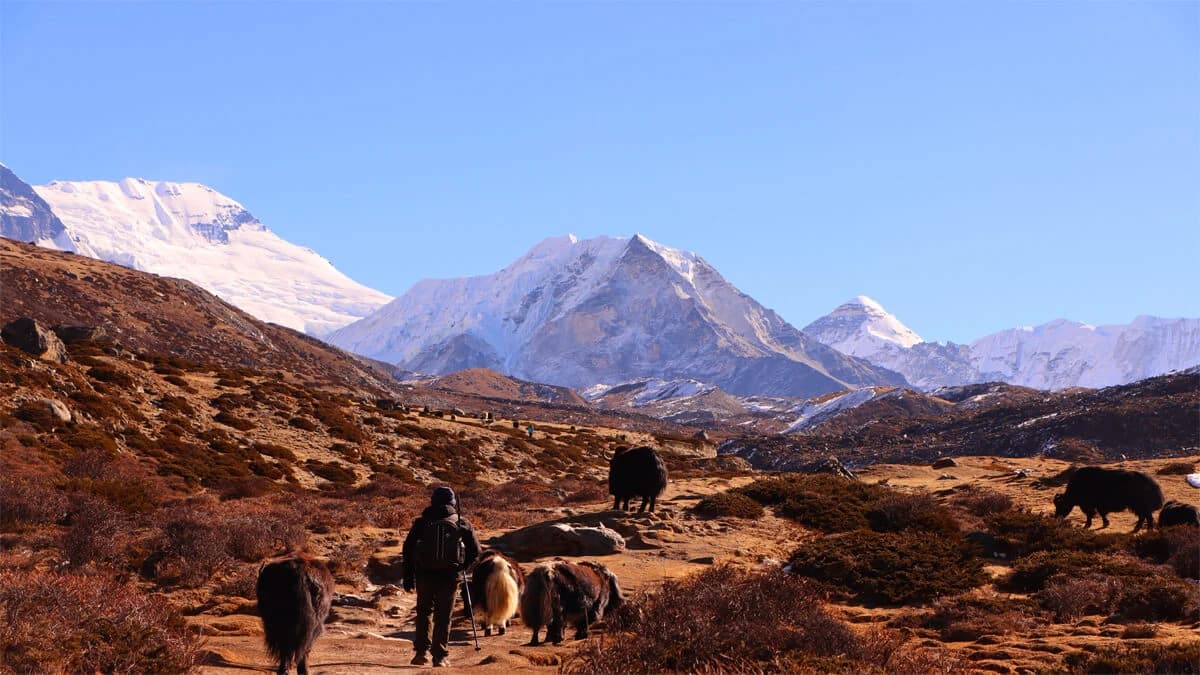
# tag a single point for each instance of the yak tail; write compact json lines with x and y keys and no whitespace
{"x":502,"y":593}
{"x":537,"y":601}
{"x":284,"y":605}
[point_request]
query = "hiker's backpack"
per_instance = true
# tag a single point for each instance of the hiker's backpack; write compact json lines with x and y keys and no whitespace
{"x":440,"y":547}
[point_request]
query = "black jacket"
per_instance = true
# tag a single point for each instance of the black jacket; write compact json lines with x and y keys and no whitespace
{"x":470,"y":542}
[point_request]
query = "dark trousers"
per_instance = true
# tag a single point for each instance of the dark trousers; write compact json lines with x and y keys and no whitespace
{"x":435,"y":595}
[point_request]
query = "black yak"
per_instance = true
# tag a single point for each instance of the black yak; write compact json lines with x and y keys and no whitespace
{"x":294,"y":596}
{"x":559,"y":591}
{"x":637,"y":472}
{"x":496,"y":584}
{"x":1178,"y":513}
{"x":1098,"y":490}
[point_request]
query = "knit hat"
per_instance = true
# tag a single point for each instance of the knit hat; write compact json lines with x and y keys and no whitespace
{"x":442,"y":496}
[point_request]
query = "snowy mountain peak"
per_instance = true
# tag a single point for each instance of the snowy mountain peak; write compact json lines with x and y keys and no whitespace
{"x":603,"y":310}
{"x":862,"y":327}
{"x":192,"y":231}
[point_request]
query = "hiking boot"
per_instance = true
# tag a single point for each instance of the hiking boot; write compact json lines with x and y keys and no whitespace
{"x":441,"y":662}
{"x":419,"y":659}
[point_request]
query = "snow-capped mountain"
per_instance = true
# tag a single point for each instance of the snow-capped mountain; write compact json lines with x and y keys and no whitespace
{"x":604,"y":311}
{"x":25,"y":216}
{"x":1055,"y":355}
{"x":1065,"y":353}
{"x":191,"y":231}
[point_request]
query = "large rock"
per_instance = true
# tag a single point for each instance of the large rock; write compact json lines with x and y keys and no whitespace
{"x":73,"y":334}
{"x":30,"y":336}
{"x":60,"y":411}
{"x":552,"y":539}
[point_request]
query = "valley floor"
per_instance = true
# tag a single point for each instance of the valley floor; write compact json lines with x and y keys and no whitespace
{"x":674,"y":543}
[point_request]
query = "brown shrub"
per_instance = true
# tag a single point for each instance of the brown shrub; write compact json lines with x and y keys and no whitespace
{"x":110,"y":375}
{"x":29,"y":503}
{"x":891,"y":568}
{"x":726,"y":619}
{"x":1139,"y":631}
{"x":96,"y":532}
{"x":191,"y":547}
{"x":1069,"y":598}
{"x":257,"y":533}
{"x":1031,"y":574}
{"x":239,"y":582}
{"x":332,"y":472}
{"x":1177,"y":469}
{"x":1178,"y":547}
{"x":981,"y":502}
{"x":230,"y":420}
{"x":920,"y":512}
{"x":1023,"y":533}
{"x":177,"y":404}
{"x":965,"y":618}
{"x":302,"y":423}
{"x":37,"y":414}
{"x":1156,"y":657}
{"x":728,"y":504}
{"x":88,"y":623}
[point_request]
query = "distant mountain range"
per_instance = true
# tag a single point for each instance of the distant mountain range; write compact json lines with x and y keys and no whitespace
{"x":190,"y":231}
{"x":1055,"y":355}
{"x":607,"y":312}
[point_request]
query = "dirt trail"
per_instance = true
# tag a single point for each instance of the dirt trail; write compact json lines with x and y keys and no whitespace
{"x":378,"y":638}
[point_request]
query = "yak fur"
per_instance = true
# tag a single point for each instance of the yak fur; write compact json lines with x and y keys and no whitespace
{"x":1096,"y":489}
{"x":558,"y":592}
{"x":636,"y":472}
{"x":294,"y":596}
{"x":1178,"y":513}
{"x":496,"y":585}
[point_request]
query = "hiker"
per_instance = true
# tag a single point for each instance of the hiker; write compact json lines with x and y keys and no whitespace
{"x":438,"y":547}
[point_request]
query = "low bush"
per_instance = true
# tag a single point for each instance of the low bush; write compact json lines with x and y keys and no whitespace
{"x":255,"y":533}
{"x":1024,"y":533}
{"x":1178,"y":547}
{"x":728,"y":504}
{"x":303,"y":423}
{"x":89,"y":623}
{"x":192,"y":546}
{"x":29,"y":503}
{"x":38,"y":415}
{"x":1176,"y":658}
{"x":1030,"y":574}
{"x":981,"y":502}
{"x":729,"y":620}
{"x":1177,"y":469}
{"x":891,"y":568}
{"x":230,"y":420}
{"x":331,"y":471}
{"x":110,"y":375}
{"x":834,"y":504}
{"x":919,"y":512}
{"x":965,"y":618}
{"x":96,"y":532}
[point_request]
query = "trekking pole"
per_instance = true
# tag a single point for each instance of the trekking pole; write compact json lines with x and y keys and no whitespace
{"x":470,"y":608}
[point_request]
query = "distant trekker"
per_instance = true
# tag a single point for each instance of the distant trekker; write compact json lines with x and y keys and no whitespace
{"x":438,"y":547}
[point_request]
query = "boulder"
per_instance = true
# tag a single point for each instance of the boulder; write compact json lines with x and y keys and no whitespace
{"x":701,"y":435}
{"x":30,"y":336}
{"x":945,"y":463}
{"x":59,"y":410}
{"x":834,"y":466}
{"x":75,"y":334}
{"x":385,"y":568}
{"x":554,"y":539}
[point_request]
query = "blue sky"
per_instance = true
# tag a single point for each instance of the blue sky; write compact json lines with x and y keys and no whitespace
{"x":972,"y":166}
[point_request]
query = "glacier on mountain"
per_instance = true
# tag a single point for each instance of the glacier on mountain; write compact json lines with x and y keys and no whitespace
{"x":191,"y":231}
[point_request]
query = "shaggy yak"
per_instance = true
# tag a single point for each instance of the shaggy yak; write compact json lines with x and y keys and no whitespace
{"x":496,"y":584}
{"x":560,"y":591}
{"x":1098,"y":490}
{"x":637,"y":472}
{"x":294,"y":595}
{"x":1178,"y":513}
